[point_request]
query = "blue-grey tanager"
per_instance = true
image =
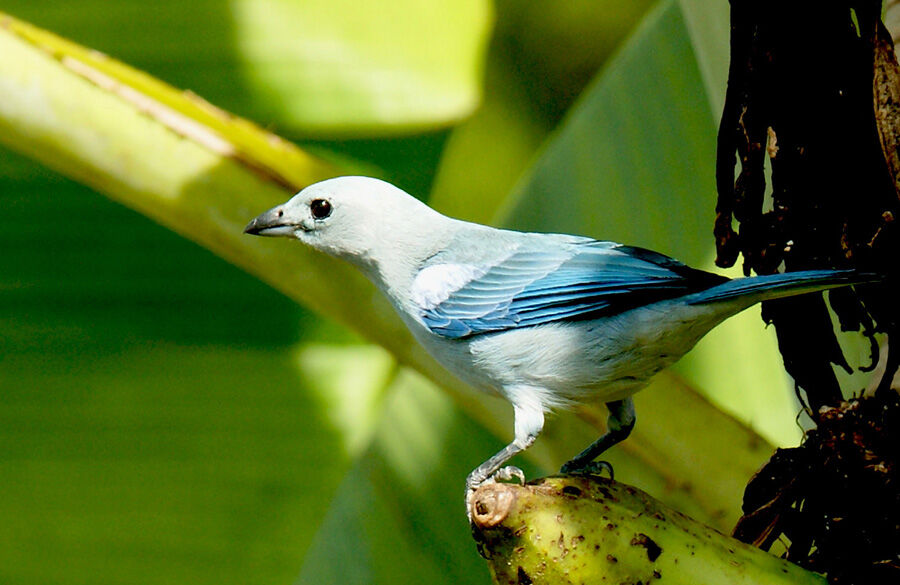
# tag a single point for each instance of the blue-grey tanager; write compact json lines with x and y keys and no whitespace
{"x":546,"y":320}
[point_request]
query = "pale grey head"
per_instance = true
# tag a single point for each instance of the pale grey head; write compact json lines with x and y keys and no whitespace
{"x":346,"y":217}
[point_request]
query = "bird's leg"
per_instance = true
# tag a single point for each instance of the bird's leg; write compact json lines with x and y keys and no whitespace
{"x":618,"y":427}
{"x":529,"y":422}
{"x":491,"y":469}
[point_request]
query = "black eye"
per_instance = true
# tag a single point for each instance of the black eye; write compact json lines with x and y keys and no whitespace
{"x":320,"y":208}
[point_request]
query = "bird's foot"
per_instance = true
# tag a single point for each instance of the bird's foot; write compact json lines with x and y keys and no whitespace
{"x":504,"y":474}
{"x":589,"y":468}
{"x":507,"y":473}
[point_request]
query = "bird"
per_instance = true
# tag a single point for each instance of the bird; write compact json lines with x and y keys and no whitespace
{"x":546,"y":320}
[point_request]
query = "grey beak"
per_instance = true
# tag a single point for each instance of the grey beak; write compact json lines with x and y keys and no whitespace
{"x":270,"y":223}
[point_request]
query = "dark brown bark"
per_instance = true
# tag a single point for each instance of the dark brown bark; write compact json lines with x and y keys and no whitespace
{"x":814,"y":88}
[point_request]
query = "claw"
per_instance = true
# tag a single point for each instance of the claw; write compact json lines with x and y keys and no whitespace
{"x":501,"y":475}
{"x":508,"y":473}
{"x":592,"y":468}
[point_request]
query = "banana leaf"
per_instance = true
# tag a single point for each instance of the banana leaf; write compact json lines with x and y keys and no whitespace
{"x":240,"y":445}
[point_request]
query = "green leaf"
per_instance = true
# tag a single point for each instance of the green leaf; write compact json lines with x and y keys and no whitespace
{"x":709,"y":27}
{"x":486,"y":154}
{"x":316,"y":68}
{"x":341,"y":66}
{"x":96,"y":120}
{"x":159,"y":463}
{"x":398,"y":516}
{"x":350,"y":382}
{"x":543,"y":57}
{"x":108,"y":329}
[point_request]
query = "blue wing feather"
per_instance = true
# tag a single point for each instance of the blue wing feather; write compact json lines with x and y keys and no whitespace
{"x":582,"y":280}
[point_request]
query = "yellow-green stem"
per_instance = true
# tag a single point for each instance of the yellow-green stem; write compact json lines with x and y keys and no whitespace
{"x":587,"y":530}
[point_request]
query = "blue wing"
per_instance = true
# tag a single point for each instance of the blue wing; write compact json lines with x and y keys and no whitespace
{"x":583,"y":280}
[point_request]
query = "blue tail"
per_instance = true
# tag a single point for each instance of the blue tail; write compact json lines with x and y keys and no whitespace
{"x":774,"y":286}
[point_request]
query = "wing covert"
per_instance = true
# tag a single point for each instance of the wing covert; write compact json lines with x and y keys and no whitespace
{"x":541,"y":284}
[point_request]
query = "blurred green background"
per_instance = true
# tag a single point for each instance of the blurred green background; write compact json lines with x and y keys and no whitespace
{"x":167,"y":418}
